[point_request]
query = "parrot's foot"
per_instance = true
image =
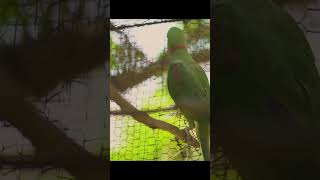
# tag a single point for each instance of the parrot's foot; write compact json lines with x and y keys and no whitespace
{"x":186,"y":130}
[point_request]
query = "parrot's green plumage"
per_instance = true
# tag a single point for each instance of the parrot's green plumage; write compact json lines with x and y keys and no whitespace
{"x":267,"y":92}
{"x":189,"y":88}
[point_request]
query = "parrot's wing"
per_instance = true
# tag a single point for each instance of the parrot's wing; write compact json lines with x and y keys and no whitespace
{"x":188,"y":86}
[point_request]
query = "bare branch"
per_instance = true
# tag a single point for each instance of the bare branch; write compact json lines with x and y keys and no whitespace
{"x":115,"y":28}
{"x":147,"y":111}
{"x":149,"y":121}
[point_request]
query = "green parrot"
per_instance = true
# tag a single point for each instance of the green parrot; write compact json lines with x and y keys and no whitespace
{"x":189,"y":88}
{"x":266,"y":92}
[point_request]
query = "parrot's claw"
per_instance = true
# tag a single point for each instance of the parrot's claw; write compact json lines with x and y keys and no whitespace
{"x":188,"y":129}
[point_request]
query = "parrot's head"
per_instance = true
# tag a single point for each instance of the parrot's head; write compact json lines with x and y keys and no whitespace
{"x":176,"y":39}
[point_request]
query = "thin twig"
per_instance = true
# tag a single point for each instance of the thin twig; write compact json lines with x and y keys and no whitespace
{"x":114,"y":28}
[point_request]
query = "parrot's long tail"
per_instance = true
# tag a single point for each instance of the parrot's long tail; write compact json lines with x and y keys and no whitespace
{"x":204,"y":138}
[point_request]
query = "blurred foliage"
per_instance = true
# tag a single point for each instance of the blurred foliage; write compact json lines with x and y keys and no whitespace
{"x":45,"y":25}
{"x":113,"y":51}
{"x":8,"y":9}
{"x":197,"y":30}
{"x":124,"y":53}
{"x":18,"y":11}
{"x":138,"y":141}
{"x":222,"y":168}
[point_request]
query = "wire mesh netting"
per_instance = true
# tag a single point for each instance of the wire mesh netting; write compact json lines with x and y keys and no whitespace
{"x":307,"y":16}
{"x":138,"y":70}
{"x":77,"y":108}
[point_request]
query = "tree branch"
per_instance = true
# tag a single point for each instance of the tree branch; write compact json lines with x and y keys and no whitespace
{"x":149,"y":121}
{"x":122,"y":112}
{"x":132,"y":78}
{"x":115,"y":28}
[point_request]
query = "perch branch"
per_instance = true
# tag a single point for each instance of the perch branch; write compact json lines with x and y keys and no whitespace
{"x":131,"y":78}
{"x":149,"y":121}
{"x":122,"y":112}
